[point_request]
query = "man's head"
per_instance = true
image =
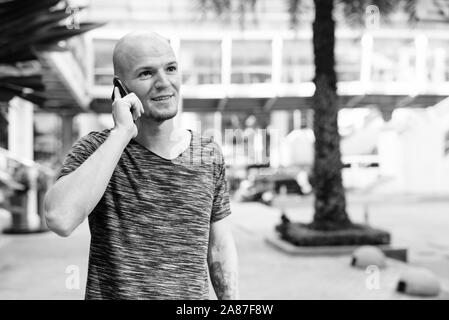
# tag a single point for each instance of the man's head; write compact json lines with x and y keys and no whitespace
{"x":146,"y":64}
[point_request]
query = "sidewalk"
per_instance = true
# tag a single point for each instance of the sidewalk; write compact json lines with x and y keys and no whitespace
{"x":267,"y":273}
{"x":34,"y":266}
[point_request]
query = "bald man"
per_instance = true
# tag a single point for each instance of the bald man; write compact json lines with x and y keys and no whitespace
{"x":155,"y":195}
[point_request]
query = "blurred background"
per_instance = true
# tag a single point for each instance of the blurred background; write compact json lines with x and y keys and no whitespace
{"x":248,"y":70}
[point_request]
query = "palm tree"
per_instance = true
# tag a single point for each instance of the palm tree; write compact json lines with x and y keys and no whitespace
{"x":330,"y":202}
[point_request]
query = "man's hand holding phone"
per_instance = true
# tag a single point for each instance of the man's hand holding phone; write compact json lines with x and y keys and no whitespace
{"x":125,"y":110}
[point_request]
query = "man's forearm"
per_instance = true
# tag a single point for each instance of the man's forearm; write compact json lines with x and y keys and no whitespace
{"x":223,"y":269}
{"x":74,"y":196}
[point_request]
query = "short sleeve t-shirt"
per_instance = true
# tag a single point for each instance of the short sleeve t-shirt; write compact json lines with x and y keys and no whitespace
{"x":150,"y":230}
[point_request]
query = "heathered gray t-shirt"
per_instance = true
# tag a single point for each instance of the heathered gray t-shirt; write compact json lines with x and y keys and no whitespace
{"x":150,"y":230}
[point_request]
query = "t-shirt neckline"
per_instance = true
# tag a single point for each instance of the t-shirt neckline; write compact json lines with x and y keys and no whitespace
{"x":165,"y":159}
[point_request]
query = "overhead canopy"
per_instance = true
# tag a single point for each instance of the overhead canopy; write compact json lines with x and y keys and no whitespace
{"x":36,"y":63}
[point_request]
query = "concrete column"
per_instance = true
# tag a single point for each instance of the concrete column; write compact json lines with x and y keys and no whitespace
{"x":20,"y":129}
{"x":218,"y":127}
{"x":276,"y":64}
{"x":278,"y":130}
{"x":21,"y":146}
{"x":366,"y":59}
{"x":67,"y":132}
{"x":297,"y":120}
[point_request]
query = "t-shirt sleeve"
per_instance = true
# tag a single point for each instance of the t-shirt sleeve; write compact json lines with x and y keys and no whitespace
{"x":80,"y":151}
{"x":220,"y":207}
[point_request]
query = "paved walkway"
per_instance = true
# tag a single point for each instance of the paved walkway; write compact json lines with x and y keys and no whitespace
{"x":266,"y":273}
{"x":38,"y":266}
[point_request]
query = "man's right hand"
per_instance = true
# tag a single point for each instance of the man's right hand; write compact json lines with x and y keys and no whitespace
{"x":125,"y":111}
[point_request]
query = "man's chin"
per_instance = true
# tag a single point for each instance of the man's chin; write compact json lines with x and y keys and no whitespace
{"x":162,"y":116}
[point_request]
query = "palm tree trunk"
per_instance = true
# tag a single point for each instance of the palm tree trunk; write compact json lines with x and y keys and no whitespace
{"x":330,"y":202}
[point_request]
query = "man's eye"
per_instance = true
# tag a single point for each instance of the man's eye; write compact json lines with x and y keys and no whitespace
{"x":145,"y":74}
{"x":172,"y":69}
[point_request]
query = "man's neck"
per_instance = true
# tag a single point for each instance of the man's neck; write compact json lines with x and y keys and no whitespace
{"x":161,"y":138}
{"x":152,"y":133}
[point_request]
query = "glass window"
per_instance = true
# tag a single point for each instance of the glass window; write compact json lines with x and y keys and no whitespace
{"x":393,"y":60}
{"x":438,"y":61}
{"x":297,"y":61}
{"x":200,"y":62}
{"x":103,"y":61}
{"x":251,"y":61}
{"x":348,"y":55}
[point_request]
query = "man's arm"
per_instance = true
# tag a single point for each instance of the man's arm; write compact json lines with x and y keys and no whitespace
{"x":73,"y":197}
{"x":70,"y":200}
{"x":222,"y":261}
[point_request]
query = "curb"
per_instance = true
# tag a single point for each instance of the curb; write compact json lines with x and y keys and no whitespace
{"x":286,"y":247}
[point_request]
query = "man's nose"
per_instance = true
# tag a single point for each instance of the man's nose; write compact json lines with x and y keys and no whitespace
{"x":162,"y":80}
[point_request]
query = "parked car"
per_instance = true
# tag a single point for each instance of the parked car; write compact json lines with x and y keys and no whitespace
{"x":264,"y":185}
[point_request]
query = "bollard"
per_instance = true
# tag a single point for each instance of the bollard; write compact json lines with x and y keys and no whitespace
{"x":366,"y":256}
{"x":419,"y":282}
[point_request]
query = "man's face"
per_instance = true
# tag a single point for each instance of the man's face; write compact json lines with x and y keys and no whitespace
{"x":152,"y":74}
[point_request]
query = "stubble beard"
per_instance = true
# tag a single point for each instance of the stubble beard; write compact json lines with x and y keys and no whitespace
{"x":162,"y":115}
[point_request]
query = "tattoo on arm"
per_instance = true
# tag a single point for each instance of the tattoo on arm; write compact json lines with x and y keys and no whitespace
{"x":224,"y":282}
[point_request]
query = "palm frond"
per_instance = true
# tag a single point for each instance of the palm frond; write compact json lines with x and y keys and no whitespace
{"x":355,"y":11}
{"x":224,"y":8}
{"x":410,"y":9}
{"x":293,"y":8}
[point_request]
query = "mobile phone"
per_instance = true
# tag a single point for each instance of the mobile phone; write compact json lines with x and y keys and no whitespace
{"x":121,"y":87}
